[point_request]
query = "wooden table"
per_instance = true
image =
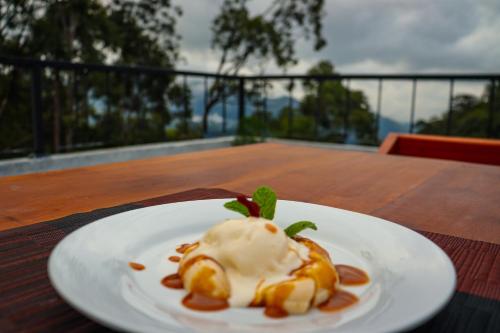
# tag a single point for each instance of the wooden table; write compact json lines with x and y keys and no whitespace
{"x":454,"y":198}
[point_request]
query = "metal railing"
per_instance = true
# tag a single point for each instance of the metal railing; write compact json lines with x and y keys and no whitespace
{"x":36,"y":69}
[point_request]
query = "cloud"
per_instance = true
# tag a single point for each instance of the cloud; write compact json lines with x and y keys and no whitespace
{"x":379,"y":36}
{"x":425,"y":35}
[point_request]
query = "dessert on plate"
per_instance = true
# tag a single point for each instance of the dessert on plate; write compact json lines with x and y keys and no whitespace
{"x":252,"y":262}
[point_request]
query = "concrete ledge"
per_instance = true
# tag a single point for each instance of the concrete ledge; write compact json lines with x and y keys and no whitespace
{"x":367,"y":149}
{"x":73,"y":160}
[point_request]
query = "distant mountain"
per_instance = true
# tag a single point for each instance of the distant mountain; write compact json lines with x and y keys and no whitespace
{"x":388,"y":125}
{"x":274,"y":107}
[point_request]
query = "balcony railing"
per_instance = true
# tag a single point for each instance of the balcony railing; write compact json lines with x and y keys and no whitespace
{"x":235,"y":91}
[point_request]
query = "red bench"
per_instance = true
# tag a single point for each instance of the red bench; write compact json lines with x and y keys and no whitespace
{"x":473,"y":150}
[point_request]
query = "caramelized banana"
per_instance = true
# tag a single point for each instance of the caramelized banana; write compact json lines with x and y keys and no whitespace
{"x":321,"y":270}
{"x":293,"y":296}
{"x":205,"y":276}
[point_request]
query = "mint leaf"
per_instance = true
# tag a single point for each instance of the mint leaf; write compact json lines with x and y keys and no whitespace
{"x":297,"y":227}
{"x":266,"y":199}
{"x":237,"y":207}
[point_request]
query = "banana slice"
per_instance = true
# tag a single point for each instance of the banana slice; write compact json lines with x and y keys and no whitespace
{"x":205,"y":276}
{"x":293,"y":296}
{"x":323,"y":273}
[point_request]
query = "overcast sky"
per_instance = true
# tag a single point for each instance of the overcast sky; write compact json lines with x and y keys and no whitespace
{"x":379,"y":36}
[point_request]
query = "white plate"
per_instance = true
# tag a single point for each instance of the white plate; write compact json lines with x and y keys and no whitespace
{"x":411,"y":278}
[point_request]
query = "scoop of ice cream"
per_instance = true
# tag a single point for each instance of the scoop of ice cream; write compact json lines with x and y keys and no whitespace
{"x":252,"y":252}
{"x":254,"y":246}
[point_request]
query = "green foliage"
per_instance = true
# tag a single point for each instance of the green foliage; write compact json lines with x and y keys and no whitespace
{"x":237,"y":207}
{"x":89,"y":109}
{"x":241,"y":36}
{"x":252,"y":129}
{"x":270,"y":34}
{"x":469,"y":118}
{"x":266,"y":199}
{"x":339,"y":109}
{"x":297,"y":227}
{"x":241,"y":140}
{"x":327,"y":100}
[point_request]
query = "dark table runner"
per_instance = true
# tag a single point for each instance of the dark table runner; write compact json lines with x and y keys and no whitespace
{"x":28,"y":303}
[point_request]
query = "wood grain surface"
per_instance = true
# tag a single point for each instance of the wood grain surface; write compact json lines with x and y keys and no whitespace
{"x":454,"y":198}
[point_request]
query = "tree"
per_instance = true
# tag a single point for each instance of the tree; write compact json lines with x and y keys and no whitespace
{"x":339,"y":111}
{"x":470,"y":117}
{"x":328,"y":111}
{"x":91,"y":31}
{"x":241,"y":36}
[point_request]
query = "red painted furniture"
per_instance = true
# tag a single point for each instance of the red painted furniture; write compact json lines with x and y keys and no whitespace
{"x":473,"y":150}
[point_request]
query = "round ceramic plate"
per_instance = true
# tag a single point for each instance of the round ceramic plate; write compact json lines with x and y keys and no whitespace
{"x":411,"y":278}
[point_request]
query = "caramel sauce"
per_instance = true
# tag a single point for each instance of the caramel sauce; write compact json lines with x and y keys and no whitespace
{"x":136,"y":266}
{"x":297,"y":271}
{"x":271,"y":228}
{"x":259,"y":295}
{"x":174,"y":258}
{"x":313,"y":246}
{"x":201,"y":302}
{"x":351,"y":276}
{"x":340,"y":299}
{"x":183,"y":248}
{"x":275,"y":312}
{"x":274,"y":304}
{"x":173,"y":281}
{"x":318,"y":268}
{"x":191,"y":261}
{"x":281,"y":293}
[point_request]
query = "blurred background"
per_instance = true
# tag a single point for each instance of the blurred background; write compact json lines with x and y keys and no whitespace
{"x":87,"y":74}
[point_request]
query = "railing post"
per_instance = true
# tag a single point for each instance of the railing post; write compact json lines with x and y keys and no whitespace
{"x":492,"y":109}
{"x":224,"y":113}
{"x":317,"y":110}
{"x":108,"y":94}
{"x":264,"y":133}
{"x":379,"y":105}
{"x":205,"y":104}
{"x":241,"y":103}
{"x":186,"y":104}
{"x":412,"y":111}
{"x":290,"y":109}
{"x":37,"y":111}
{"x":450,"y":108}
{"x":76,"y":107}
{"x":347,"y":109}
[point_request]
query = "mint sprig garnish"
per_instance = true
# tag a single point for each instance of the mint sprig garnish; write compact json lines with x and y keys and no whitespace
{"x":237,"y":207}
{"x":297,"y":227}
{"x":263,"y":204}
{"x":266,"y":199}
{"x":253,"y":207}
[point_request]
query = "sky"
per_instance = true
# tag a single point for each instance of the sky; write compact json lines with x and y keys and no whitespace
{"x":378,"y":36}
